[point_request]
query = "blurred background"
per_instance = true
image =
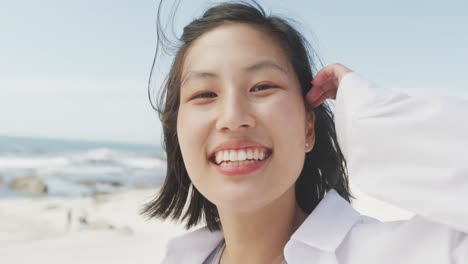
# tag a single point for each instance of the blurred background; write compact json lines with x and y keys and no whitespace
{"x":73,"y":74}
{"x":75,"y":119}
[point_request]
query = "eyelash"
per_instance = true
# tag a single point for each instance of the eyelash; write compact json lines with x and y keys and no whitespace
{"x":265,"y":85}
{"x":207,"y":95}
{"x":203,"y":95}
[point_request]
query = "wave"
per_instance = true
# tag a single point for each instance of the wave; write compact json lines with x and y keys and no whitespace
{"x":75,"y":171}
{"x":94,"y":157}
{"x":32,"y":162}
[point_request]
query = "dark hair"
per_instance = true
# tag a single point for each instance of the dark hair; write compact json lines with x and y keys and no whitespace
{"x":324,"y":167}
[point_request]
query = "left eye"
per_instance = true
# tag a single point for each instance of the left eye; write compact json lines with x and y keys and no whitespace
{"x":262,"y":87}
{"x":205,"y":95}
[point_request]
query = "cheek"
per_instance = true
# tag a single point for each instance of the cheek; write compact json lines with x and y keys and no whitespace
{"x":193,"y":128}
{"x":286,"y":124}
{"x":286,"y":120}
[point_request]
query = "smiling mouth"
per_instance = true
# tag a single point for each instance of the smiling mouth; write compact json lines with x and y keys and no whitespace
{"x":236,"y":158}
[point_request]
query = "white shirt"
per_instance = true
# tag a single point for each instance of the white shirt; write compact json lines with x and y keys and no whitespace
{"x":408,"y":150}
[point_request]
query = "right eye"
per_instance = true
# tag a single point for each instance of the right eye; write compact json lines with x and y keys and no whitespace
{"x":263,"y":87}
{"x":204,"y":95}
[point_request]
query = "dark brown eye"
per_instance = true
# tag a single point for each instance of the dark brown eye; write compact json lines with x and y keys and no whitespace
{"x":204,"y":95}
{"x":262,"y":87}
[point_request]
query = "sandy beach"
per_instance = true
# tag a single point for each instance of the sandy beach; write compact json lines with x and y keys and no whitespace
{"x":99,"y":229}
{"x":103,"y":228}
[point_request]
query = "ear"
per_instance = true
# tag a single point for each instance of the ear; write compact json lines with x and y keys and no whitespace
{"x":310,"y":130}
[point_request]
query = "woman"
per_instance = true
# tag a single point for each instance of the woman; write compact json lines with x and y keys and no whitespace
{"x":252,"y":149}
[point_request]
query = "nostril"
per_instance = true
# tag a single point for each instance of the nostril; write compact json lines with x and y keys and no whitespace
{"x":235,"y":120}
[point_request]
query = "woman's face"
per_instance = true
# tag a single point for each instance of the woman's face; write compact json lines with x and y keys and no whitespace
{"x":242,"y":124}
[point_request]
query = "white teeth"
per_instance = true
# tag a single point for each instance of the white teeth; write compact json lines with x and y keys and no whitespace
{"x":256,"y":154}
{"x":219,"y":157}
{"x":241,"y":155}
{"x":249,"y":154}
{"x":230,"y":156}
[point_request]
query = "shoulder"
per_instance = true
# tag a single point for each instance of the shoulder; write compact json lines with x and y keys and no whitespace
{"x":398,"y":241}
{"x":196,"y":244}
{"x":199,"y":239}
{"x":375,"y":229}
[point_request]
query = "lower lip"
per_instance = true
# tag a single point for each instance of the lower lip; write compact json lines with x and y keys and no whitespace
{"x":243,"y":169}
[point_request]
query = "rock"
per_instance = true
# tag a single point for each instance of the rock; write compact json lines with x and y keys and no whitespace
{"x":88,"y":182}
{"x":30,"y":184}
{"x":116,"y":184}
{"x":100,"y":225}
{"x":100,"y":197}
{"x":95,"y":224}
{"x":94,"y":182}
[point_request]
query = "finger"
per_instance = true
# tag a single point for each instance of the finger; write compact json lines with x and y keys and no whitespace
{"x":323,"y":75}
{"x":327,"y":90}
{"x":314,"y":93}
{"x":331,"y":94}
{"x":318,"y":102}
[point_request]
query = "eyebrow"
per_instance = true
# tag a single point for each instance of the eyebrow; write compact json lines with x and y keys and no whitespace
{"x":261,"y":65}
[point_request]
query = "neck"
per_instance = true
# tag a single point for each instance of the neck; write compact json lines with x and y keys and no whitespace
{"x":259,"y":236}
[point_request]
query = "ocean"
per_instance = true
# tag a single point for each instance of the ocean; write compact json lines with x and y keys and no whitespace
{"x":79,"y":168}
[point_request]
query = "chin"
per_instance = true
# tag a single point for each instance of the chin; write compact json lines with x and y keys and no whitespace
{"x":241,"y":204}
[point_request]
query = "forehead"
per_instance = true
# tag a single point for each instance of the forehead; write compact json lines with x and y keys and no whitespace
{"x":232,"y":46}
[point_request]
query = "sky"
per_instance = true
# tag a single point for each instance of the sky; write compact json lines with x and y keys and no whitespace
{"x":79,"y":69}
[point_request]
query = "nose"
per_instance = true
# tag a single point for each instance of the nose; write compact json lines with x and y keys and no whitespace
{"x":235,"y":113}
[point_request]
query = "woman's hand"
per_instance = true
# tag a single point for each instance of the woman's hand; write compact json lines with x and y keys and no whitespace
{"x":325,"y":84}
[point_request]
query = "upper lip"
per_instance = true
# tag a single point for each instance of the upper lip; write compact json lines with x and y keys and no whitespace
{"x":236,"y":144}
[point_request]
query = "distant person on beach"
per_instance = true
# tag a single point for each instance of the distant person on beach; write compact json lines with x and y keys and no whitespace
{"x":254,"y":151}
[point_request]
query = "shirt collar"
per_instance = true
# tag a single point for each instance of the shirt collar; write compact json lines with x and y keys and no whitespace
{"x":324,"y":229}
{"x":192,"y":247}
{"x":328,"y":224}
